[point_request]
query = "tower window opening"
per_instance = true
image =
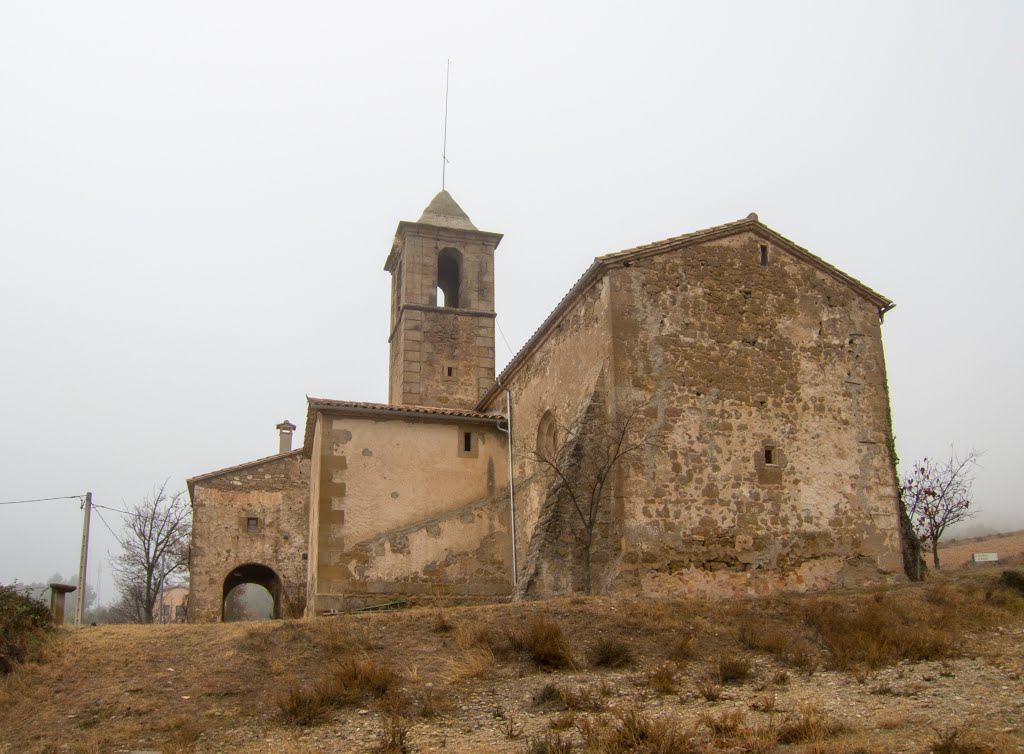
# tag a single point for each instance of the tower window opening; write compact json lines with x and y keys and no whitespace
{"x":252,"y":524}
{"x":449,"y":271}
{"x":764,"y":255}
{"x":769,"y":456}
{"x":467,"y":442}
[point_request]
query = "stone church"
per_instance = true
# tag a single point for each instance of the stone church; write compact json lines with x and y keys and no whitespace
{"x":758,"y":366}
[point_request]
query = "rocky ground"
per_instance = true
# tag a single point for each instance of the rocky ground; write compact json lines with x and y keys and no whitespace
{"x":454,"y":680}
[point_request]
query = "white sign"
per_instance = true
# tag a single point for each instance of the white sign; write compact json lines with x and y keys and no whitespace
{"x":985,"y":557}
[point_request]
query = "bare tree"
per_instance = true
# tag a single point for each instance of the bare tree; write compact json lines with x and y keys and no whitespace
{"x":583,"y":458}
{"x":937,"y":494}
{"x":154,"y":545}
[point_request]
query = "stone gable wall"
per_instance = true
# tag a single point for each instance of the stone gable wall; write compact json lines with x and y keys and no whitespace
{"x":276,"y":493}
{"x":734,"y":358}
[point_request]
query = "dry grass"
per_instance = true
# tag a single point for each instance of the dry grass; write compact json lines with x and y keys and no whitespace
{"x":957,"y":740}
{"x":539,"y":640}
{"x":732,"y":668}
{"x":550,"y":743}
{"x":724,"y":723}
{"x":663,"y":679}
{"x":610,"y":653}
{"x":105,"y":686}
{"x":809,"y":724}
{"x":633,"y":731}
{"x":710,"y":690}
{"x":351,"y":681}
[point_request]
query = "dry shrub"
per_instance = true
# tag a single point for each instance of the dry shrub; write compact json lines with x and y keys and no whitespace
{"x":710,"y":690}
{"x":610,"y":653}
{"x":634,"y":731}
{"x":958,"y":740}
{"x":563,"y":721}
{"x":25,"y":624}
{"x":542,"y":641}
{"x":358,"y":679}
{"x":474,"y":662}
{"x":304,"y":706}
{"x":1012,"y":580}
{"x":733,"y":668}
{"x":725,"y":723}
{"x":553,"y":697}
{"x":394,"y":734}
{"x":550,"y":696}
{"x":809,"y":724}
{"x":684,"y":648}
{"x":779,"y":641}
{"x":429,"y":703}
{"x":549,"y":743}
{"x":767,"y":703}
{"x":877,"y":633}
{"x":352,"y":680}
{"x":662,"y":679}
{"x":539,"y":639}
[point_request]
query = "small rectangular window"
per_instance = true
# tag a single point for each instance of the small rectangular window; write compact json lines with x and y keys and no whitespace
{"x":449,"y":371}
{"x":769,"y":456}
{"x":467,"y":442}
{"x":252,"y":524}
{"x":764,"y":255}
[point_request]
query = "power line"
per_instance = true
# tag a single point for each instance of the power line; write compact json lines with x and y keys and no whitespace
{"x":116,"y":510}
{"x":502,"y":332}
{"x":42,"y":499}
{"x":105,"y":522}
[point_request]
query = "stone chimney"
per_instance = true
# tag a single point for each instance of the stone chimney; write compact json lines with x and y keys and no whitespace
{"x":284,"y":431}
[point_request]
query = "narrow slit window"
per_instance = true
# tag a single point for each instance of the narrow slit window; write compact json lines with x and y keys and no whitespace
{"x":769,"y":456}
{"x":467,"y":441}
{"x":252,"y":524}
{"x":450,"y":371}
{"x":764,"y":255}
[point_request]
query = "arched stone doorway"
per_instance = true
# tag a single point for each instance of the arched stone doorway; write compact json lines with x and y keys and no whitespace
{"x":253,"y":573}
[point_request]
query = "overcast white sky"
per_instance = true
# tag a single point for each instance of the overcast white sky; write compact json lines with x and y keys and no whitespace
{"x":197,"y":199}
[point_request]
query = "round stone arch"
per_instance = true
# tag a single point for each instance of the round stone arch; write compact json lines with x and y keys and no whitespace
{"x":253,"y":573}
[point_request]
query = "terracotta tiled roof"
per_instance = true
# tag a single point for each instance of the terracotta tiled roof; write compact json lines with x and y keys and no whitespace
{"x":604,"y":262}
{"x":437,"y":413}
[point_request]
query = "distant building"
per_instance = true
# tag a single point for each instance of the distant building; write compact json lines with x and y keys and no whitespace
{"x":760,"y":365}
{"x":172,"y":605}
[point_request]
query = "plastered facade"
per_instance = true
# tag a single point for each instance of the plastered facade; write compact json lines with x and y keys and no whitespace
{"x":404,"y":509}
{"x":756,"y":365}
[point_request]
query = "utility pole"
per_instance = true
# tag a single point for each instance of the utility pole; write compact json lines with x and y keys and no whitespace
{"x":80,"y":607}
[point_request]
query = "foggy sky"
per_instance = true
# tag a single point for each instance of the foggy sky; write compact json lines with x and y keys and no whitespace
{"x":197,"y":199}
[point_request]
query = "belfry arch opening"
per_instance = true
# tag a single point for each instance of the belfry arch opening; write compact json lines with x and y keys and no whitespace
{"x":449,"y":273}
{"x":254,"y":578}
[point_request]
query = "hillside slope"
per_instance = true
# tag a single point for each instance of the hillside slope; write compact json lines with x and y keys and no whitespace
{"x":890,"y":670}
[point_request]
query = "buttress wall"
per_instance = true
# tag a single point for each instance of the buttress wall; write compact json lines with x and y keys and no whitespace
{"x":566,"y":370}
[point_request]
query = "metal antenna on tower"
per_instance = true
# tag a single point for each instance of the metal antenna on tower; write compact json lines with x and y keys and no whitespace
{"x":444,"y":146}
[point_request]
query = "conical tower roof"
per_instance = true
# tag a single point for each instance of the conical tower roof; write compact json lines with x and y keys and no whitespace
{"x":444,"y":212}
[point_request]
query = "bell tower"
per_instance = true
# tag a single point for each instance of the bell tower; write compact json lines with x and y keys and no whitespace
{"x":442,"y":308}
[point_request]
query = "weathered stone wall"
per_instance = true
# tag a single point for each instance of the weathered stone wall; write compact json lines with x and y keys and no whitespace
{"x":403,"y":508}
{"x":428,"y":340}
{"x":561,"y":376}
{"x":733,"y":359}
{"x":276,"y":493}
